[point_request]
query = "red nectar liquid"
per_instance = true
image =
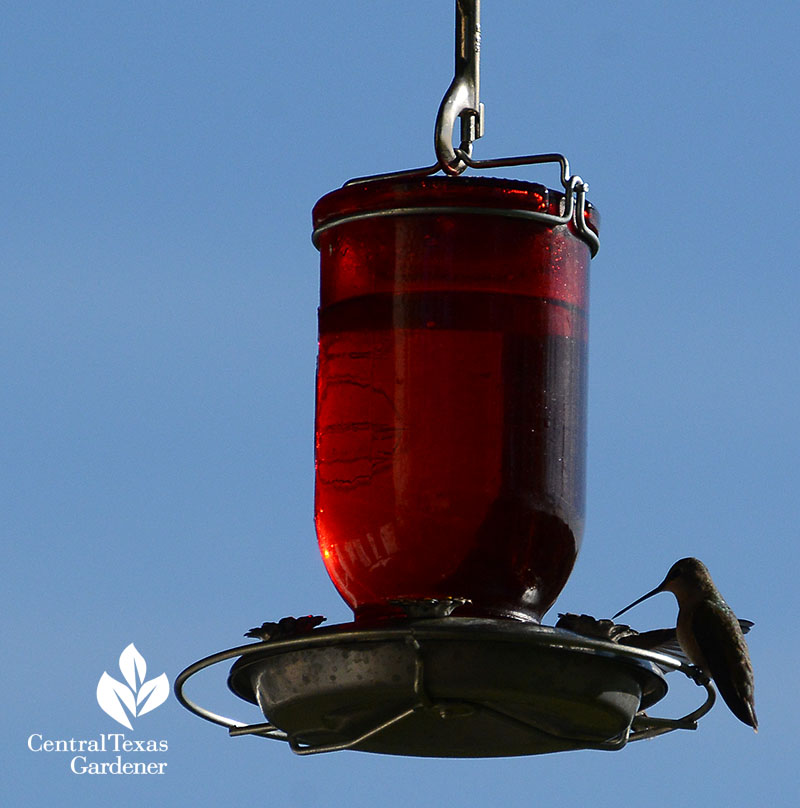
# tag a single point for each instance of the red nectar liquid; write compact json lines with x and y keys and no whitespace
{"x":451,"y":399}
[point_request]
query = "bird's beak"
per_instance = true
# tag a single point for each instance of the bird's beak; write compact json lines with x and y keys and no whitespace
{"x":659,"y":588}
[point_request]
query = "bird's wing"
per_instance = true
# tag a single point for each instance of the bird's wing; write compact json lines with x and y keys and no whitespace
{"x":665,"y":640}
{"x":721,"y":640}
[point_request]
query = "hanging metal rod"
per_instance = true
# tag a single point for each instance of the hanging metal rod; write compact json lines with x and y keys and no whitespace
{"x":462,"y":99}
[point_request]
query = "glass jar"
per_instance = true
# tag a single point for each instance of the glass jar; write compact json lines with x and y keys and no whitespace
{"x":451,"y":394}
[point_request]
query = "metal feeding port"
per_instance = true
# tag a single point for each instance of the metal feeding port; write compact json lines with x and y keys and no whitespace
{"x":448,"y":687}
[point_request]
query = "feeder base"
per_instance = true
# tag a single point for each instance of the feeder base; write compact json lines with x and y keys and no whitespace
{"x":447,"y":687}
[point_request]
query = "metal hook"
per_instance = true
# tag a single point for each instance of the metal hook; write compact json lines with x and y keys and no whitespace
{"x":462,"y":99}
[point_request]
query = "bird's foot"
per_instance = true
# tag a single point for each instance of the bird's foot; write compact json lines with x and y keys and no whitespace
{"x":697,"y":675}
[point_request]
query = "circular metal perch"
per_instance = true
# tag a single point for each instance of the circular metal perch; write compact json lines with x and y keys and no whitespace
{"x":447,"y":687}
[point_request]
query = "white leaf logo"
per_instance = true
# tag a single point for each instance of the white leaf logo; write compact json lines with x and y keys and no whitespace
{"x":111,"y":695}
{"x":138,"y":696}
{"x":131,"y":663}
{"x":152,"y":693}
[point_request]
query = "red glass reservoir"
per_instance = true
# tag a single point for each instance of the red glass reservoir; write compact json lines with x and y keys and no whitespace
{"x":451,"y":394}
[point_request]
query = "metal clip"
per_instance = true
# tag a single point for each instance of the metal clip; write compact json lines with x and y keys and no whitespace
{"x":462,"y":99}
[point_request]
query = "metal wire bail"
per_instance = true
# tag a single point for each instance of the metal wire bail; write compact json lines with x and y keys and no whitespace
{"x":462,"y":100}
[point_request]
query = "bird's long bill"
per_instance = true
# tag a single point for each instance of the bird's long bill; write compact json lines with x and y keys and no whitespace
{"x":637,"y":602}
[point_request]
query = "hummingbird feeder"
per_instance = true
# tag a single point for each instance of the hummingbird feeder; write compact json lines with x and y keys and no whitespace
{"x":450,"y":472}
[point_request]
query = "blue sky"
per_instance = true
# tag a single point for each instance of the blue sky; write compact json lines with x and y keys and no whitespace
{"x":158,"y":335}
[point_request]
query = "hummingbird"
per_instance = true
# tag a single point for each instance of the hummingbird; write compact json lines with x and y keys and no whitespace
{"x":710,"y":635}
